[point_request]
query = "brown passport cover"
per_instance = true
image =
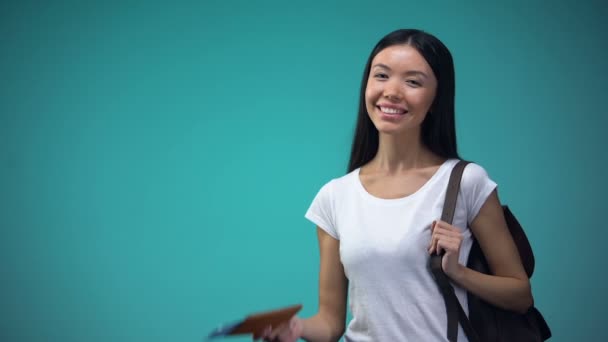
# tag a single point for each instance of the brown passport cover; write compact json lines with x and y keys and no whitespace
{"x":255,"y":323}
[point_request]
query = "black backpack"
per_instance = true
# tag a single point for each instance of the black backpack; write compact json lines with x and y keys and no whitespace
{"x":486,"y":322}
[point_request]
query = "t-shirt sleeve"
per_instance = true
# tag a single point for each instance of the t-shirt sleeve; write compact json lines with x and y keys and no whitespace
{"x":321,"y":210}
{"x":477,"y":187}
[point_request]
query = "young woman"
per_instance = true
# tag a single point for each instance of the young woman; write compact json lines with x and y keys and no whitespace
{"x":378,"y":224}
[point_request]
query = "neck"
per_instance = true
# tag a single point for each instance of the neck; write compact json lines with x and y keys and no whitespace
{"x":400,"y":153}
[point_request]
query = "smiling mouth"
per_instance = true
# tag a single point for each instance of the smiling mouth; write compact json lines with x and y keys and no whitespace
{"x":392,"y":111}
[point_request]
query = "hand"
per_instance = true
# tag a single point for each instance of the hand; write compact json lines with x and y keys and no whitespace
{"x":287,"y":332}
{"x":448,"y":238}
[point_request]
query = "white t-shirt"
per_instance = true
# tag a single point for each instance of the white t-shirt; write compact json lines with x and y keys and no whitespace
{"x":383,"y":248}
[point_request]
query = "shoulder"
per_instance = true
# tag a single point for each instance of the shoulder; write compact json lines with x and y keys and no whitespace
{"x":476,"y":182}
{"x":476,"y":186}
{"x":323,"y":210}
{"x":342,"y":183}
{"x":474,"y":175}
{"x":338,"y":186}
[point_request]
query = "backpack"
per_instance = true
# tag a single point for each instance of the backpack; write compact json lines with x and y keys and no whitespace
{"x":486,"y":322}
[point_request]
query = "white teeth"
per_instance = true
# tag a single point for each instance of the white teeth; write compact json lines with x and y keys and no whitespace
{"x":391,"y":110}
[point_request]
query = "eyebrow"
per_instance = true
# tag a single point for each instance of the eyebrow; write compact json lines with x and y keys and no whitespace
{"x":409,"y":72}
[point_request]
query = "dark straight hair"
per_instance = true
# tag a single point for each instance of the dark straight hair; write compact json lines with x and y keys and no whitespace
{"x":438,"y":131}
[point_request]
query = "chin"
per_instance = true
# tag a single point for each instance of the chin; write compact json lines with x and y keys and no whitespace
{"x":389,"y":130}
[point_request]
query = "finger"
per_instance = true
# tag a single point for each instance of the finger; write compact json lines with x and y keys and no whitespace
{"x":282,"y":333}
{"x":447,"y":226}
{"x":441,"y":223}
{"x":438,"y":228}
{"x":446,"y":231}
{"x":262,"y":334}
{"x":436,"y":247}
{"x":449,"y":239}
{"x":285,"y":335}
{"x":450,"y":246}
{"x":457,"y":239}
{"x":441,"y":246}
{"x":291,"y":332}
{"x":273,"y":335}
{"x":440,"y":231}
{"x":267,"y":335}
{"x":268,"y":339}
{"x":443,"y":243}
{"x":433,"y":226}
{"x":276,"y":332}
{"x":433,"y":245}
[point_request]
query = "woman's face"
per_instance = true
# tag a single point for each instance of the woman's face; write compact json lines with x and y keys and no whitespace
{"x":400,"y":89}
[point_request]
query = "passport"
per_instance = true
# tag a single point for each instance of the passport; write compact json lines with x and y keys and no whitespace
{"x":256,"y":322}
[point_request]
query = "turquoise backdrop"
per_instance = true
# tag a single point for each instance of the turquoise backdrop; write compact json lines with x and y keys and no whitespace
{"x":156,"y":159}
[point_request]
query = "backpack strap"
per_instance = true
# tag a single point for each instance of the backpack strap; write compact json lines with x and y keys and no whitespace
{"x":455,"y":312}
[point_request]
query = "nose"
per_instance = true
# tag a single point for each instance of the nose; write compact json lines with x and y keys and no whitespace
{"x":392,"y":91}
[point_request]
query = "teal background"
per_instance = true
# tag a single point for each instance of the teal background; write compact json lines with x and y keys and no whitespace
{"x":156,"y":159}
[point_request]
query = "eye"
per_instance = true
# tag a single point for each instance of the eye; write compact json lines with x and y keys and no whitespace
{"x":413,"y":83}
{"x":380,"y":75}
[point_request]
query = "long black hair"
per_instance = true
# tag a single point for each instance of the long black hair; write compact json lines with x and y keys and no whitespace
{"x":438,"y":131}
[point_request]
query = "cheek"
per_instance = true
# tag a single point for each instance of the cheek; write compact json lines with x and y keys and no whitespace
{"x":371,"y":93}
{"x":368,"y":92}
{"x":369,"y":97}
{"x":430,"y":96}
{"x":424,"y":99}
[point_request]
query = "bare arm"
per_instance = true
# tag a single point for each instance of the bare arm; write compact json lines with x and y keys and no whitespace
{"x":509,"y":286}
{"x":328,"y":323}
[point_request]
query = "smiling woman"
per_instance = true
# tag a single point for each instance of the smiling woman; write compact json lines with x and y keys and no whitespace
{"x":378,"y":224}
